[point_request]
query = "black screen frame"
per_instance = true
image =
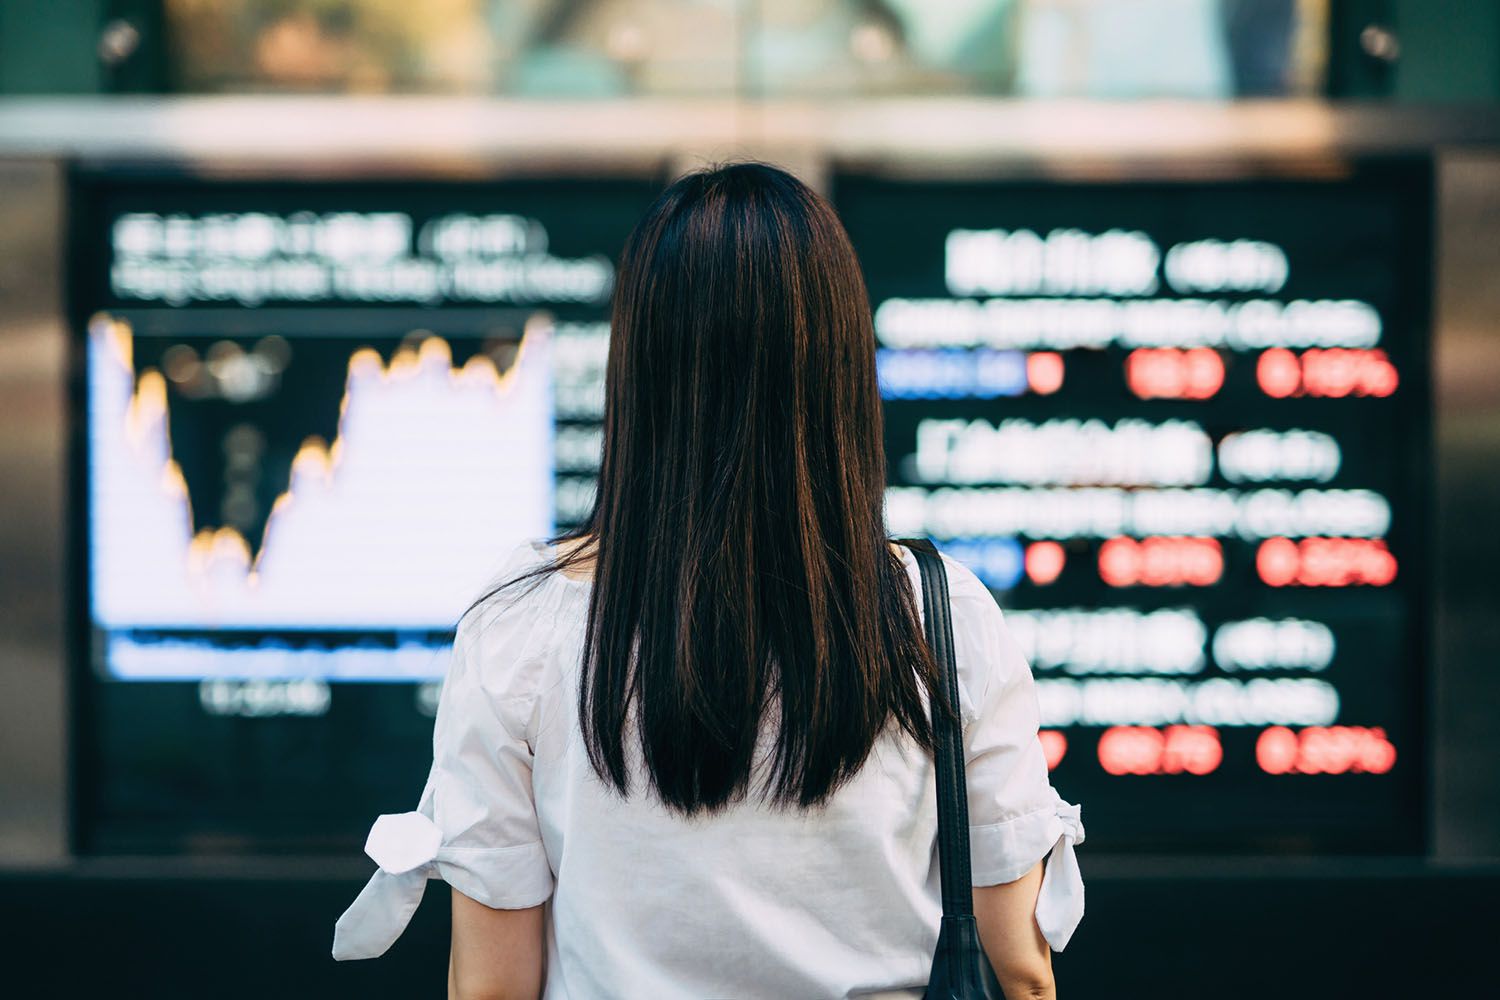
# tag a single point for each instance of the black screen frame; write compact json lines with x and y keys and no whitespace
{"x":1411,"y":177}
{"x":84,"y":260}
{"x":1413,"y":173}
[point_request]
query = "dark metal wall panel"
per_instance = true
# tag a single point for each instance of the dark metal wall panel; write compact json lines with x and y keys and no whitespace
{"x":33,"y":450}
{"x":475,"y":137}
{"x":1466,"y":394}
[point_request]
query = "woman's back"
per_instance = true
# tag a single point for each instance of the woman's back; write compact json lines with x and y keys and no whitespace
{"x":700,"y":727}
{"x":752,"y":901}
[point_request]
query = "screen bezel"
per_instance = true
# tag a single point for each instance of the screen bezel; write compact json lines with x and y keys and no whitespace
{"x":1416,"y":180}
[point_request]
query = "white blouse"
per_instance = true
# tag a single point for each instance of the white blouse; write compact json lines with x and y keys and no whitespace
{"x":838,"y":902}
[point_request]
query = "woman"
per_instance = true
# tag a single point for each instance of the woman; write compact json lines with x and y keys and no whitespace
{"x":684,"y":751}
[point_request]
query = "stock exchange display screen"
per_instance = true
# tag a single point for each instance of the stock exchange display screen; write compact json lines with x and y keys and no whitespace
{"x":316,"y":418}
{"x":1180,"y":430}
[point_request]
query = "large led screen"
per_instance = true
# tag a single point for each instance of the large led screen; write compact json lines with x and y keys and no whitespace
{"x":316,"y":416}
{"x":1181,"y":431}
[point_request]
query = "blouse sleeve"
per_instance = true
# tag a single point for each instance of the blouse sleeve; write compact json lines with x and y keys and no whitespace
{"x":1016,"y":818}
{"x":475,"y":825}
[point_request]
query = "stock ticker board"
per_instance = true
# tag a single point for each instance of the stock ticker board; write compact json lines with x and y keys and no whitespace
{"x":1181,"y":431}
{"x":1178,"y":430}
{"x":318,"y":416}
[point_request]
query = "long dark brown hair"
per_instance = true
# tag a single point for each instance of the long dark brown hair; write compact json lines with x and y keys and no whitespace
{"x":740,"y":556}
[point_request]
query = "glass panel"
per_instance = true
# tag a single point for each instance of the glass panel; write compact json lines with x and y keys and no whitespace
{"x":753,"y":48}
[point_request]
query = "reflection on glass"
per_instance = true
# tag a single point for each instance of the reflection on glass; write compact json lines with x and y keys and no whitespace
{"x":752,"y":48}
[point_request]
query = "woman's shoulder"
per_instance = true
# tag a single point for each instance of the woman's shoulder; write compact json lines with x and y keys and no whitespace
{"x":522,"y":582}
{"x":505,"y":636}
{"x":967,"y":591}
{"x":984,"y":650}
{"x":968,"y":596}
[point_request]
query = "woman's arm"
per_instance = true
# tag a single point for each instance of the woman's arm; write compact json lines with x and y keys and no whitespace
{"x":1006,"y":915}
{"x":496,"y":954}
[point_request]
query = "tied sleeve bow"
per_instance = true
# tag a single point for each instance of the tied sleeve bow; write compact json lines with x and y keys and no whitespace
{"x":410,"y":848}
{"x":1059,"y":906}
{"x":406,"y":846}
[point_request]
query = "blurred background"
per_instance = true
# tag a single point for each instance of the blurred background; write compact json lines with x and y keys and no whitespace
{"x":1189,"y":340}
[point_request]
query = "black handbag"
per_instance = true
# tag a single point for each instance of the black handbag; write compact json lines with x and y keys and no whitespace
{"x":960,"y":968}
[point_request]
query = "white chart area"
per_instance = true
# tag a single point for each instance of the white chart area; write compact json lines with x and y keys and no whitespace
{"x":436,"y":473}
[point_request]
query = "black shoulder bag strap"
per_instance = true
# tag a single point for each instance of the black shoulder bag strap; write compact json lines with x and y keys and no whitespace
{"x":960,"y":968}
